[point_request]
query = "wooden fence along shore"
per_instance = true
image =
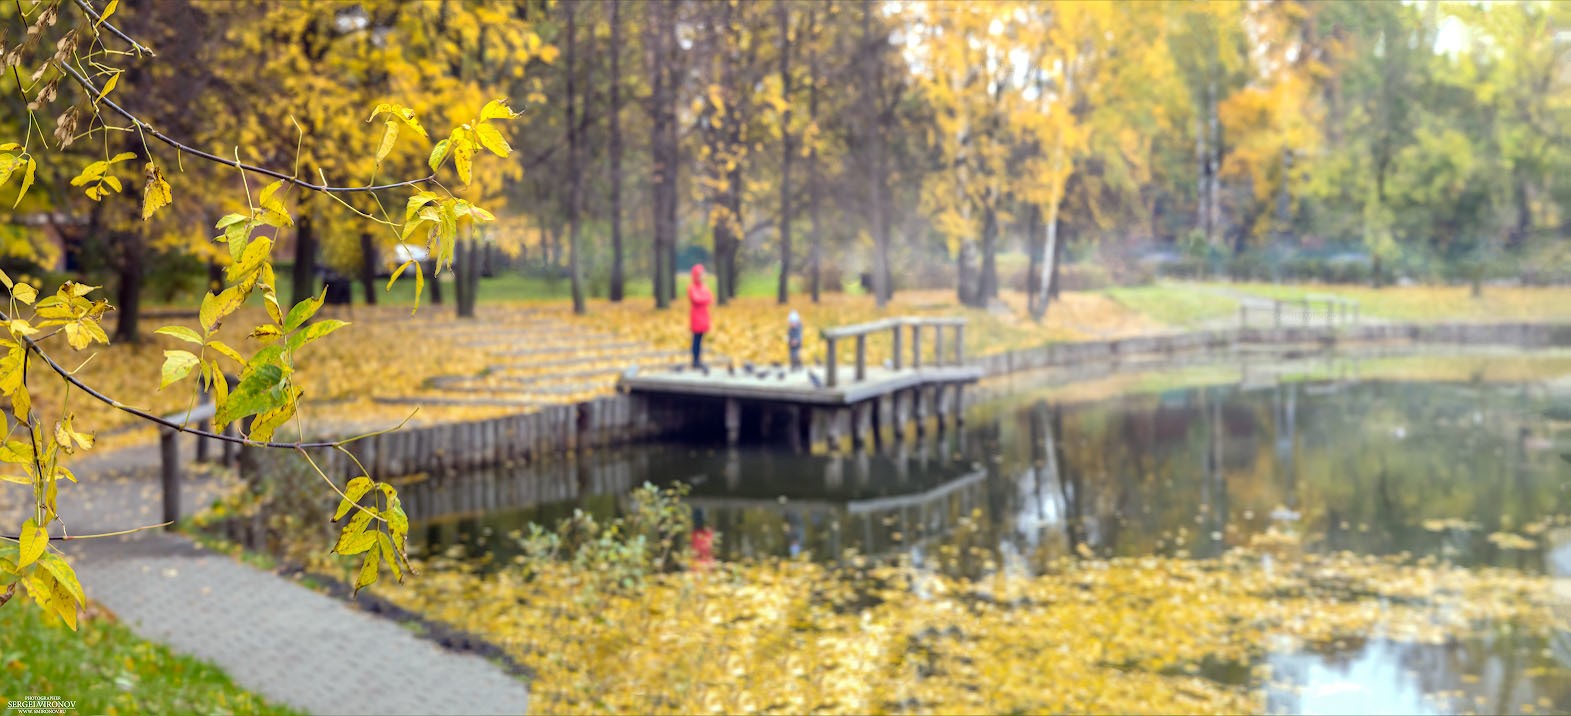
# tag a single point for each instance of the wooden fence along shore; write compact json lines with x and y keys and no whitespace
{"x":628,"y":418}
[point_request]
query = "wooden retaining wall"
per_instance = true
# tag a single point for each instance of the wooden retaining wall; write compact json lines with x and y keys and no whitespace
{"x":511,"y":439}
{"x":623,"y":419}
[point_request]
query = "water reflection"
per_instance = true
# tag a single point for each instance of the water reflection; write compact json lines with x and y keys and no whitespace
{"x":1370,"y":467}
{"x":1374,"y":467}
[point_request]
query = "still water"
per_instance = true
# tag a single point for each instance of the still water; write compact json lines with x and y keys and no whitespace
{"x":1454,"y":457}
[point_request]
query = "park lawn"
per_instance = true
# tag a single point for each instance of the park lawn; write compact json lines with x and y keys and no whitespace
{"x":1175,"y":304}
{"x":1431,"y":304}
{"x":106,"y":669}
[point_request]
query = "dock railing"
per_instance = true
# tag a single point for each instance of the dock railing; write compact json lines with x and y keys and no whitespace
{"x":897,"y":327}
{"x":1305,"y":311}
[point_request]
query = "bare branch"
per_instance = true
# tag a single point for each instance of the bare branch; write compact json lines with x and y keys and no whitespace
{"x":93,"y":91}
{"x":99,"y":20}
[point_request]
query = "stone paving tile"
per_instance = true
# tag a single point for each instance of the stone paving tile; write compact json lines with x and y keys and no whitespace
{"x":272,"y":635}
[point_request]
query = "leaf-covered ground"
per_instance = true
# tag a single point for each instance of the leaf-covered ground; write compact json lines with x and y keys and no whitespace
{"x":1147,"y":635}
{"x":501,"y":362}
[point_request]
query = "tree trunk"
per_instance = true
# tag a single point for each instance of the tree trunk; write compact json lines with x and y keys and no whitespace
{"x":1049,"y":262}
{"x":815,"y":254}
{"x":873,"y":70}
{"x":462,"y":250}
{"x":368,"y":267}
{"x":783,"y":293}
{"x":128,"y":294}
{"x":435,"y":283}
{"x":1034,"y":250}
{"x":575,"y":196}
{"x":615,"y":150}
{"x":1053,"y":284}
{"x":305,"y":262}
{"x":663,"y":150}
{"x":987,"y":288}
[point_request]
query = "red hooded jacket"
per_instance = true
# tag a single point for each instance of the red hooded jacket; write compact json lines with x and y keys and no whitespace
{"x":699,"y":296}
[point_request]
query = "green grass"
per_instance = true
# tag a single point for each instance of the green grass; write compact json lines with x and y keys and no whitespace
{"x":1175,"y":304}
{"x":106,"y":669}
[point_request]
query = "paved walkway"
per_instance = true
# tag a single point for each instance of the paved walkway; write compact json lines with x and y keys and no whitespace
{"x":274,"y":637}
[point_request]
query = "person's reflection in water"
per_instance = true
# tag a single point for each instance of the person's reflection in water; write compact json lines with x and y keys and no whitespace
{"x":794,"y":534}
{"x":703,"y":542}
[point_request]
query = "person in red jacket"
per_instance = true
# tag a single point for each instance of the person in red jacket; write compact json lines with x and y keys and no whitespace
{"x":699,"y":297}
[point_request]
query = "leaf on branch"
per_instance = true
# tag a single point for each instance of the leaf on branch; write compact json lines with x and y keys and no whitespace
{"x":217,"y":306}
{"x":438,"y":155}
{"x":250,"y":260}
{"x":492,"y":139}
{"x":368,"y":572}
{"x":104,"y":16}
{"x":224,"y":349}
{"x":181,"y":332}
{"x":304,"y":310}
{"x":255,"y":394}
{"x":109,"y":86}
{"x":388,"y":138}
{"x":353,"y":491}
{"x":177,"y":365}
{"x":27,"y":181}
{"x":274,"y":212}
{"x":266,"y":333}
{"x":17,"y":452}
{"x":156,"y":195}
{"x":24,"y":293}
{"x":269,"y":420}
{"x":33,"y":540}
{"x":69,"y":439}
{"x":389,"y":555}
{"x":314,"y":331}
{"x":354,"y":538}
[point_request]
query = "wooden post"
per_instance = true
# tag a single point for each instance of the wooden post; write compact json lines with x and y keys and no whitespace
{"x":919,"y":410}
{"x":960,"y":404}
{"x":794,"y":429}
{"x":169,"y":451}
{"x":859,"y":420}
{"x":916,"y":345}
{"x":829,"y":363}
{"x":227,"y":454}
{"x":895,"y":356}
{"x":877,"y":420}
{"x":861,"y":357}
{"x":960,"y":344}
{"x":938,"y":345}
{"x":940,"y":407}
{"x":733,"y":420}
{"x":897,"y":418}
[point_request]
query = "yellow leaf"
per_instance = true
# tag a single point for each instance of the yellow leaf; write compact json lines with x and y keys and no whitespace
{"x":104,"y":16}
{"x":27,"y":181}
{"x":389,"y":136}
{"x":156,"y":195}
{"x":33,"y":539}
{"x":496,"y":109}
{"x":492,"y":139}
{"x":24,"y":293}
{"x":228,"y":352}
{"x":109,"y":86}
{"x":367,"y":570}
{"x":463,"y":157}
{"x":177,"y":365}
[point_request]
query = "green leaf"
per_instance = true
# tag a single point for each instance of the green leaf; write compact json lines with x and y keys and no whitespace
{"x":265,"y":423}
{"x":367,"y":571}
{"x":182,"y":333}
{"x":314,"y":331}
{"x":33,"y":539}
{"x":438,"y":153}
{"x":253,"y":395}
{"x":304,"y":310}
{"x":355,"y":490}
{"x":177,"y":365}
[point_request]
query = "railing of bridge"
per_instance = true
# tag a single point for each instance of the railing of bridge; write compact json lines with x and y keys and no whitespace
{"x":898,"y":327}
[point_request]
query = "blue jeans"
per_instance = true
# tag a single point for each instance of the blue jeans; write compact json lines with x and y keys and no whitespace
{"x":698,"y":348}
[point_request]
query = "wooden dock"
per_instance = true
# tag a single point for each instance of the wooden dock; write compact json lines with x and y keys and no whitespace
{"x":824,"y":404}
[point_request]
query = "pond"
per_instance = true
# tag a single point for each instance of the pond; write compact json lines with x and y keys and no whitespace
{"x":1454,"y":458}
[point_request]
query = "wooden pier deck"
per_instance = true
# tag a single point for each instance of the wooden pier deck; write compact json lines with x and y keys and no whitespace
{"x":823,"y":404}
